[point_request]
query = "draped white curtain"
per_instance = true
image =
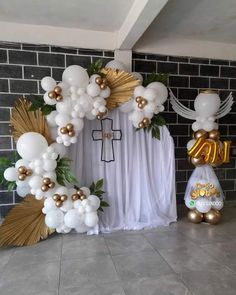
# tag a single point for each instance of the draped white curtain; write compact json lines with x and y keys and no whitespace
{"x":139,"y":184}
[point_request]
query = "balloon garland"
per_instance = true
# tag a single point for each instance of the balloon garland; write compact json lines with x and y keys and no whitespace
{"x":42,"y":170}
{"x":204,"y":196}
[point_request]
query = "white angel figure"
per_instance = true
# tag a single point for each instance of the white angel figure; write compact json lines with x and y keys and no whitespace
{"x":208,"y":108}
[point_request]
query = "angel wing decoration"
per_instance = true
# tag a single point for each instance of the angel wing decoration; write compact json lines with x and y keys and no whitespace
{"x":208,"y":108}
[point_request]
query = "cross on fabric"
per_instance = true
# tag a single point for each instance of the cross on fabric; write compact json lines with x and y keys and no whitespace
{"x":107,"y":135}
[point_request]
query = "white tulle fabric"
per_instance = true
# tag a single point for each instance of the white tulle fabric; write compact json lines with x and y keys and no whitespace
{"x":139,"y":185}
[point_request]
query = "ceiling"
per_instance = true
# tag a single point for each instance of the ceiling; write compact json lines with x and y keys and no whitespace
{"x":202,"y":28}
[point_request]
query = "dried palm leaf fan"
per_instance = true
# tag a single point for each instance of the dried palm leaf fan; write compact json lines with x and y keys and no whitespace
{"x":23,"y":120}
{"x":122,"y":86}
{"x":25,"y":224}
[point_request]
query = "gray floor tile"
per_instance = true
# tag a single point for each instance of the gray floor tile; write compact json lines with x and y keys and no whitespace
{"x":189,"y":259}
{"x":42,"y":279}
{"x":127,"y":244}
{"x":96,"y":269}
{"x":140,"y":265}
{"x":94,"y":289}
{"x":5,"y":255}
{"x":163,"y":285}
{"x":172,"y":240}
{"x":44,"y":251}
{"x":79,"y":247}
{"x":208,"y":282}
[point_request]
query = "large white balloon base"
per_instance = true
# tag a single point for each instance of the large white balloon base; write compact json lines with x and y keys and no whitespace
{"x":204,"y":196}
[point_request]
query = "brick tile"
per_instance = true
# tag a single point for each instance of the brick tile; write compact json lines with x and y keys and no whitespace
{"x":3,"y":56}
{"x":36,"y":72}
{"x":83,"y":61}
{"x":188,"y":69}
{"x":10,"y":71}
{"x":22,"y":57}
{"x":23,"y":86}
{"x":3,"y":85}
{"x":145,"y":66}
{"x":50,"y":59}
{"x":209,"y":71}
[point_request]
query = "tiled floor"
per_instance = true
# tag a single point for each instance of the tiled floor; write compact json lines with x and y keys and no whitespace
{"x":182,"y":259}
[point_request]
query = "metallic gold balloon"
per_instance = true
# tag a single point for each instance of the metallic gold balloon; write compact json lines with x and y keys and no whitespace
{"x":80,"y":192}
{"x":98,"y":80}
{"x":226,"y":151}
{"x":212,"y":216}
{"x":59,"y":203}
{"x":63,"y":130}
{"x":44,"y":188}
{"x":57,"y":90}
{"x":22,"y":170}
{"x":70,"y":127}
{"x":138,"y":99}
{"x":103,"y":86}
{"x":22,"y":177}
{"x":146,"y":121}
{"x":52,"y":95}
{"x":56,"y":197}
{"x":200,"y":134}
{"x":46,"y":180}
{"x":195,"y":216}
{"x":71,"y":133}
{"x":214,"y":134}
{"x":75,"y":197}
{"x":29,"y":172}
{"x":51,"y":184}
{"x":63,"y":198}
{"x":140,"y":105}
{"x":59,"y":97}
{"x":197,"y":161}
{"x":83,"y":197}
{"x":141,"y":125}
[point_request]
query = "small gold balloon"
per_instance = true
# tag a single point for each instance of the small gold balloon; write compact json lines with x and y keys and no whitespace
{"x":70,"y":127}
{"x":83,"y":197}
{"x":59,"y":203}
{"x":22,"y":170}
{"x":29,"y":172}
{"x":195,"y":216}
{"x":141,"y":125}
{"x":201,"y":134}
{"x":140,"y":105}
{"x":146,"y":121}
{"x":63,"y":198}
{"x":197,"y":161}
{"x":22,"y":177}
{"x":71,"y":133}
{"x":214,"y":134}
{"x":63,"y":130}
{"x":44,"y":188}
{"x":212,"y":216}
{"x":138,"y":99}
{"x":99,"y":117}
{"x":52,"y":95}
{"x":75,"y":197}
{"x":103,"y":86}
{"x":51,"y":184}
{"x":98,"y":80}
{"x":56,"y":197}
{"x":144,"y":102}
{"x":104,"y":81}
{"x":80,"y":192}
{"x":59,"y":97}
{"x":57,"y":90}
{"x":46,"y":180}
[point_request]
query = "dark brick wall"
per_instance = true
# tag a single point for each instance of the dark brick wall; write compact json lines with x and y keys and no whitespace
{"x":22,"y":66}
{"x":187,"y":76}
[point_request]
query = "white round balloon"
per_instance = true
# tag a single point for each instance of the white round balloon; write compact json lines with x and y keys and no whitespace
{"x":54,"y":218}
{"x":10,"y":174}
{"x":48,"y":83}
{"x":76,"y":76}
{"x":203,"y":205}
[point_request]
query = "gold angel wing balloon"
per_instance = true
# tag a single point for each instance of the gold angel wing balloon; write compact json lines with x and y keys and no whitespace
{"x":122,"y":86}
{"x":225,"y":106}
{"x":180,"y":109}
{"x":25,"y":224}
{"x":23,"y":120}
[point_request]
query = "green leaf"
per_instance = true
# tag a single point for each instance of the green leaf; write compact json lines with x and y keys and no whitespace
{"x":47,"y":109}
{"x":11,"y":185}
{"x":64,"y":173}
{"x":100,"y":209}
{"x":92,"y":188}
{"x":104,"y":204}
{"x":95,"y":67}
{"x":99,"y":184}
{"x":156,"y":133}
{"x":37,"y":102}
{"x":154,"y":77}
{"x":5,"y":162}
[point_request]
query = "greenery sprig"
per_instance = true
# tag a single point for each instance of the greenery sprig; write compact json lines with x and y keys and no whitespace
{"x":38,"y":103}
{"x":5,"y":163}
{"x":64,"y":173}
{"x":96,"y":189}
{"x":95,"y":67}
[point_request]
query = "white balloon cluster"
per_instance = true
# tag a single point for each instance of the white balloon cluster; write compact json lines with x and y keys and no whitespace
{"x":80,"y":215}
{"x":146,"y":102}
{"x":78,"y":96}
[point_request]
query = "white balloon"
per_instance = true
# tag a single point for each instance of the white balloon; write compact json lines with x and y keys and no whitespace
{"x":94,"y":201}
{"x":59,"y":148}
{"x":22,"y":162}
{"x":49,"y":204}
{"x":85,"y":190}
{"x":105,"y":93}
{"x":67,"y":205}
{"x":48,"y":83}
{"x":91,"y":219}
{"x":78,"y":123}
{"x":51,"y":119}
{"x":31,"y":145}
{"x":49,"y":165}
{"x":10,"y":174}
{"x":48,"y":100}
{"x":116,"y":64}
{"x":75,"y":76}
{"x":127,"y":107}
{"x":150,"y":94}
{"x":62,"y":120}
{"x":64,"y":107}
{"x":82,"y":228}
{"x":203,"y":205}
{"x":90,"y":116}
{"x":22,"y":191}
{"x":138,"y":76}
{"x":62,"y":190}
{"x":162,"y":92}
{"x":52,"y":175}
{"x":208,"y":126}
{"x":54,"y":218}
{"x":93,"y":89}
{"x":35,"y":182}
{"x":195,"y":126}
{"x":139,"y":91}
{"x":93,"y":78}
{"x":72,"y":218}
{"x":207,"y":104}
{"x":77,"y":204}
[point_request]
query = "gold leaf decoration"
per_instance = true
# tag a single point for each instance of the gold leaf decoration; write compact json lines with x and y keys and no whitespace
{"x":23,"y":120}
{"x":25,"y":224}
{"x":122,"y":86}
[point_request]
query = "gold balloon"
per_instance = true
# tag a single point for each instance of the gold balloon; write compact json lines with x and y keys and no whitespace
{"x":22,"y":177}
{"x":57,"y":90}
{"x":59,"y":97}
{"x":104,"y":81}
{"x":22,"y":170}
{"x":56,"y":197}
{"x":63,"y":198}
{"x":83,"y":197}
{"x":98,"y":80}
{"x":46,"y":180}
{"x":71,"y":133}
{"x":197,"y":161}
{"x":146,"y":121}
{"x":80,"y":192}
{"x":144,"y":102}
{"x":75,"y":197}
{"x":52,"y":95}
{"x":140,"y":105}
{"x":200,"y":134}
{"x":103,"y":86}
{"x":212,"y":216}
{"x":44,"y":188}
{"x":51,"y":184}
{"x":70,"y":127}
{"x":214,"y":134}
{"x":63,"y":130}
{"x":138,"y":99}
{"x":195,"y":216}
{"x":29,"y":172}
{"x":59,"y":203}
{"x":141,"y":125}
